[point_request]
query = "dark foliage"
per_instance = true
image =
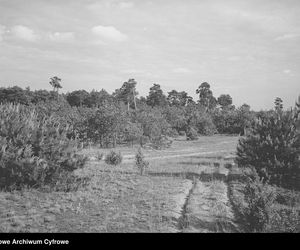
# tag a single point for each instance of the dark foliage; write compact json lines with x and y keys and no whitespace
{"x":272,"y":147}
{"x":35,"y":149}
{"x":113,"y":158}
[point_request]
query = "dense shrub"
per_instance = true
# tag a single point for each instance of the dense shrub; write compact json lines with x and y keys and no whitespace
{"x":231,"y":120}
{"x":265,"y":208}
{"x":175,"y":116}
{"x":272,"y":147}
{"x":284,"y":221}
{"x":205,"y":125}
{"x":105,"y":124}
{"x":161,"y":142}
{"x":15,"y":95}
{"x":182,"y":133}
{"x":173,"y":133}
{"x":191,"y":134}
{"x":259,"y":198}
{"x":34,"y":149}
{"x":131,"y":132}
{"x":113,"y":158}
{"x":153,"y":123}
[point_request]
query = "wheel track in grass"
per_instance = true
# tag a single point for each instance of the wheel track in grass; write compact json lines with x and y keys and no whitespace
{"x":183,"y":219}
{"x":201,"y":199}
{"x":193,"y":216}
{"x":183,"y":196}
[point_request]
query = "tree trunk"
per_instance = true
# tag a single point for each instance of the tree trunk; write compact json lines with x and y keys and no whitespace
{"x":134,"y":99}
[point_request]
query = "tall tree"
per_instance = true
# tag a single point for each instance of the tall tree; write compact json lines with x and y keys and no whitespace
{"x":127,"y":93}
{"x":55,"y":83}
{"x":206,"y":97}
{"x":156,"y":96}
{"x":176,"y":98}
{"x":224,"y":101}
{"x":278,"y":104}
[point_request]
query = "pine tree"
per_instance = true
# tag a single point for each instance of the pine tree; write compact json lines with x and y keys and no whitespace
{"x":273,"y":148}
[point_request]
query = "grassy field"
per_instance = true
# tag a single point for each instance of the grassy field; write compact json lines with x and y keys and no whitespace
{"x":184,"y":191}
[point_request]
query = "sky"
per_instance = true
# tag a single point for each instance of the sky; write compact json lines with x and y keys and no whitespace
{"x":246,"y":48}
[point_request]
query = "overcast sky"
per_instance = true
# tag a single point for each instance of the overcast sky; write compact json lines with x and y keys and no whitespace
{"x":248,"y":49}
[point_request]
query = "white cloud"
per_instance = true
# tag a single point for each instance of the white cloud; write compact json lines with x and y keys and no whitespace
{"x":109,"y":33}
{"x":234,"y":58}
{"x":132,"y":71}
{"x":287,"y":71}
{"x":24,"y":33}
{"x":2,"y":32}
{"x":181,"y":70}
{"x":126,"y":5}
{"x":61,"y":36}
{"x":109,"y":5}
{"x":287,"y":37}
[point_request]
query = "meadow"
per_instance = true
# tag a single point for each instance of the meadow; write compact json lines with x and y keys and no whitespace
{"x":186,"y":189}
{"x":118,"y":199}
{"x":116,"y":164}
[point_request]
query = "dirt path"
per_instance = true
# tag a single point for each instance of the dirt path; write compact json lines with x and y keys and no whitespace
{"x":207,"y":208}
{"x":203,"y":204}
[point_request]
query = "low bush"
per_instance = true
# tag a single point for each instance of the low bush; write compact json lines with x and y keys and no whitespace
{"x":140,"y":161}
{"x":144,"y":140}
{"x":191,"y":134}
{"x":182,"y":133}
{"x":259,"y":198}
{"x":173,"y":133}
{"x":284,"y":221}
{"x":99,"y":156}
{"x":161,"y":142}
{"x":260,"y":207}
{"x":113,"y":158}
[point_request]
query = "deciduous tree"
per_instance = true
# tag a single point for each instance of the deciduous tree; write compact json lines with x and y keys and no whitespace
{"x":156,"y":96}
{"x":206,"y":97}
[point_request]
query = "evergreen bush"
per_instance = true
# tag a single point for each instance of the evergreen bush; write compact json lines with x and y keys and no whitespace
{"x":34,"y":149}
{"x":191,"y":134}
{"x":272,"y":147}
{"x":113,"y":158}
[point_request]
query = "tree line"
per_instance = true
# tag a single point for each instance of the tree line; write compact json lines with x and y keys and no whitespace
{"x":41,"y":130}
{"x":125,"y":117}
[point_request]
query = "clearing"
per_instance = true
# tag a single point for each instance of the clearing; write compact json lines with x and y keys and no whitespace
{"x":185,"y":190}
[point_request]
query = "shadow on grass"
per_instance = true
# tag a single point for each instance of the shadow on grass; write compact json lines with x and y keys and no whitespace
{"x":205,"y":177}
{"x":203,"y":163}
{"x":207,"y":157}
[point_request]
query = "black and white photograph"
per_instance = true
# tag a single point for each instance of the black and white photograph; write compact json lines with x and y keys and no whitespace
{"x":148,"y":116}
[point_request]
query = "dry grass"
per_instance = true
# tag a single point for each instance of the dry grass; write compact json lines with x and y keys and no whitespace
{"x":117,"y":198}
{"x":285,"y":216}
